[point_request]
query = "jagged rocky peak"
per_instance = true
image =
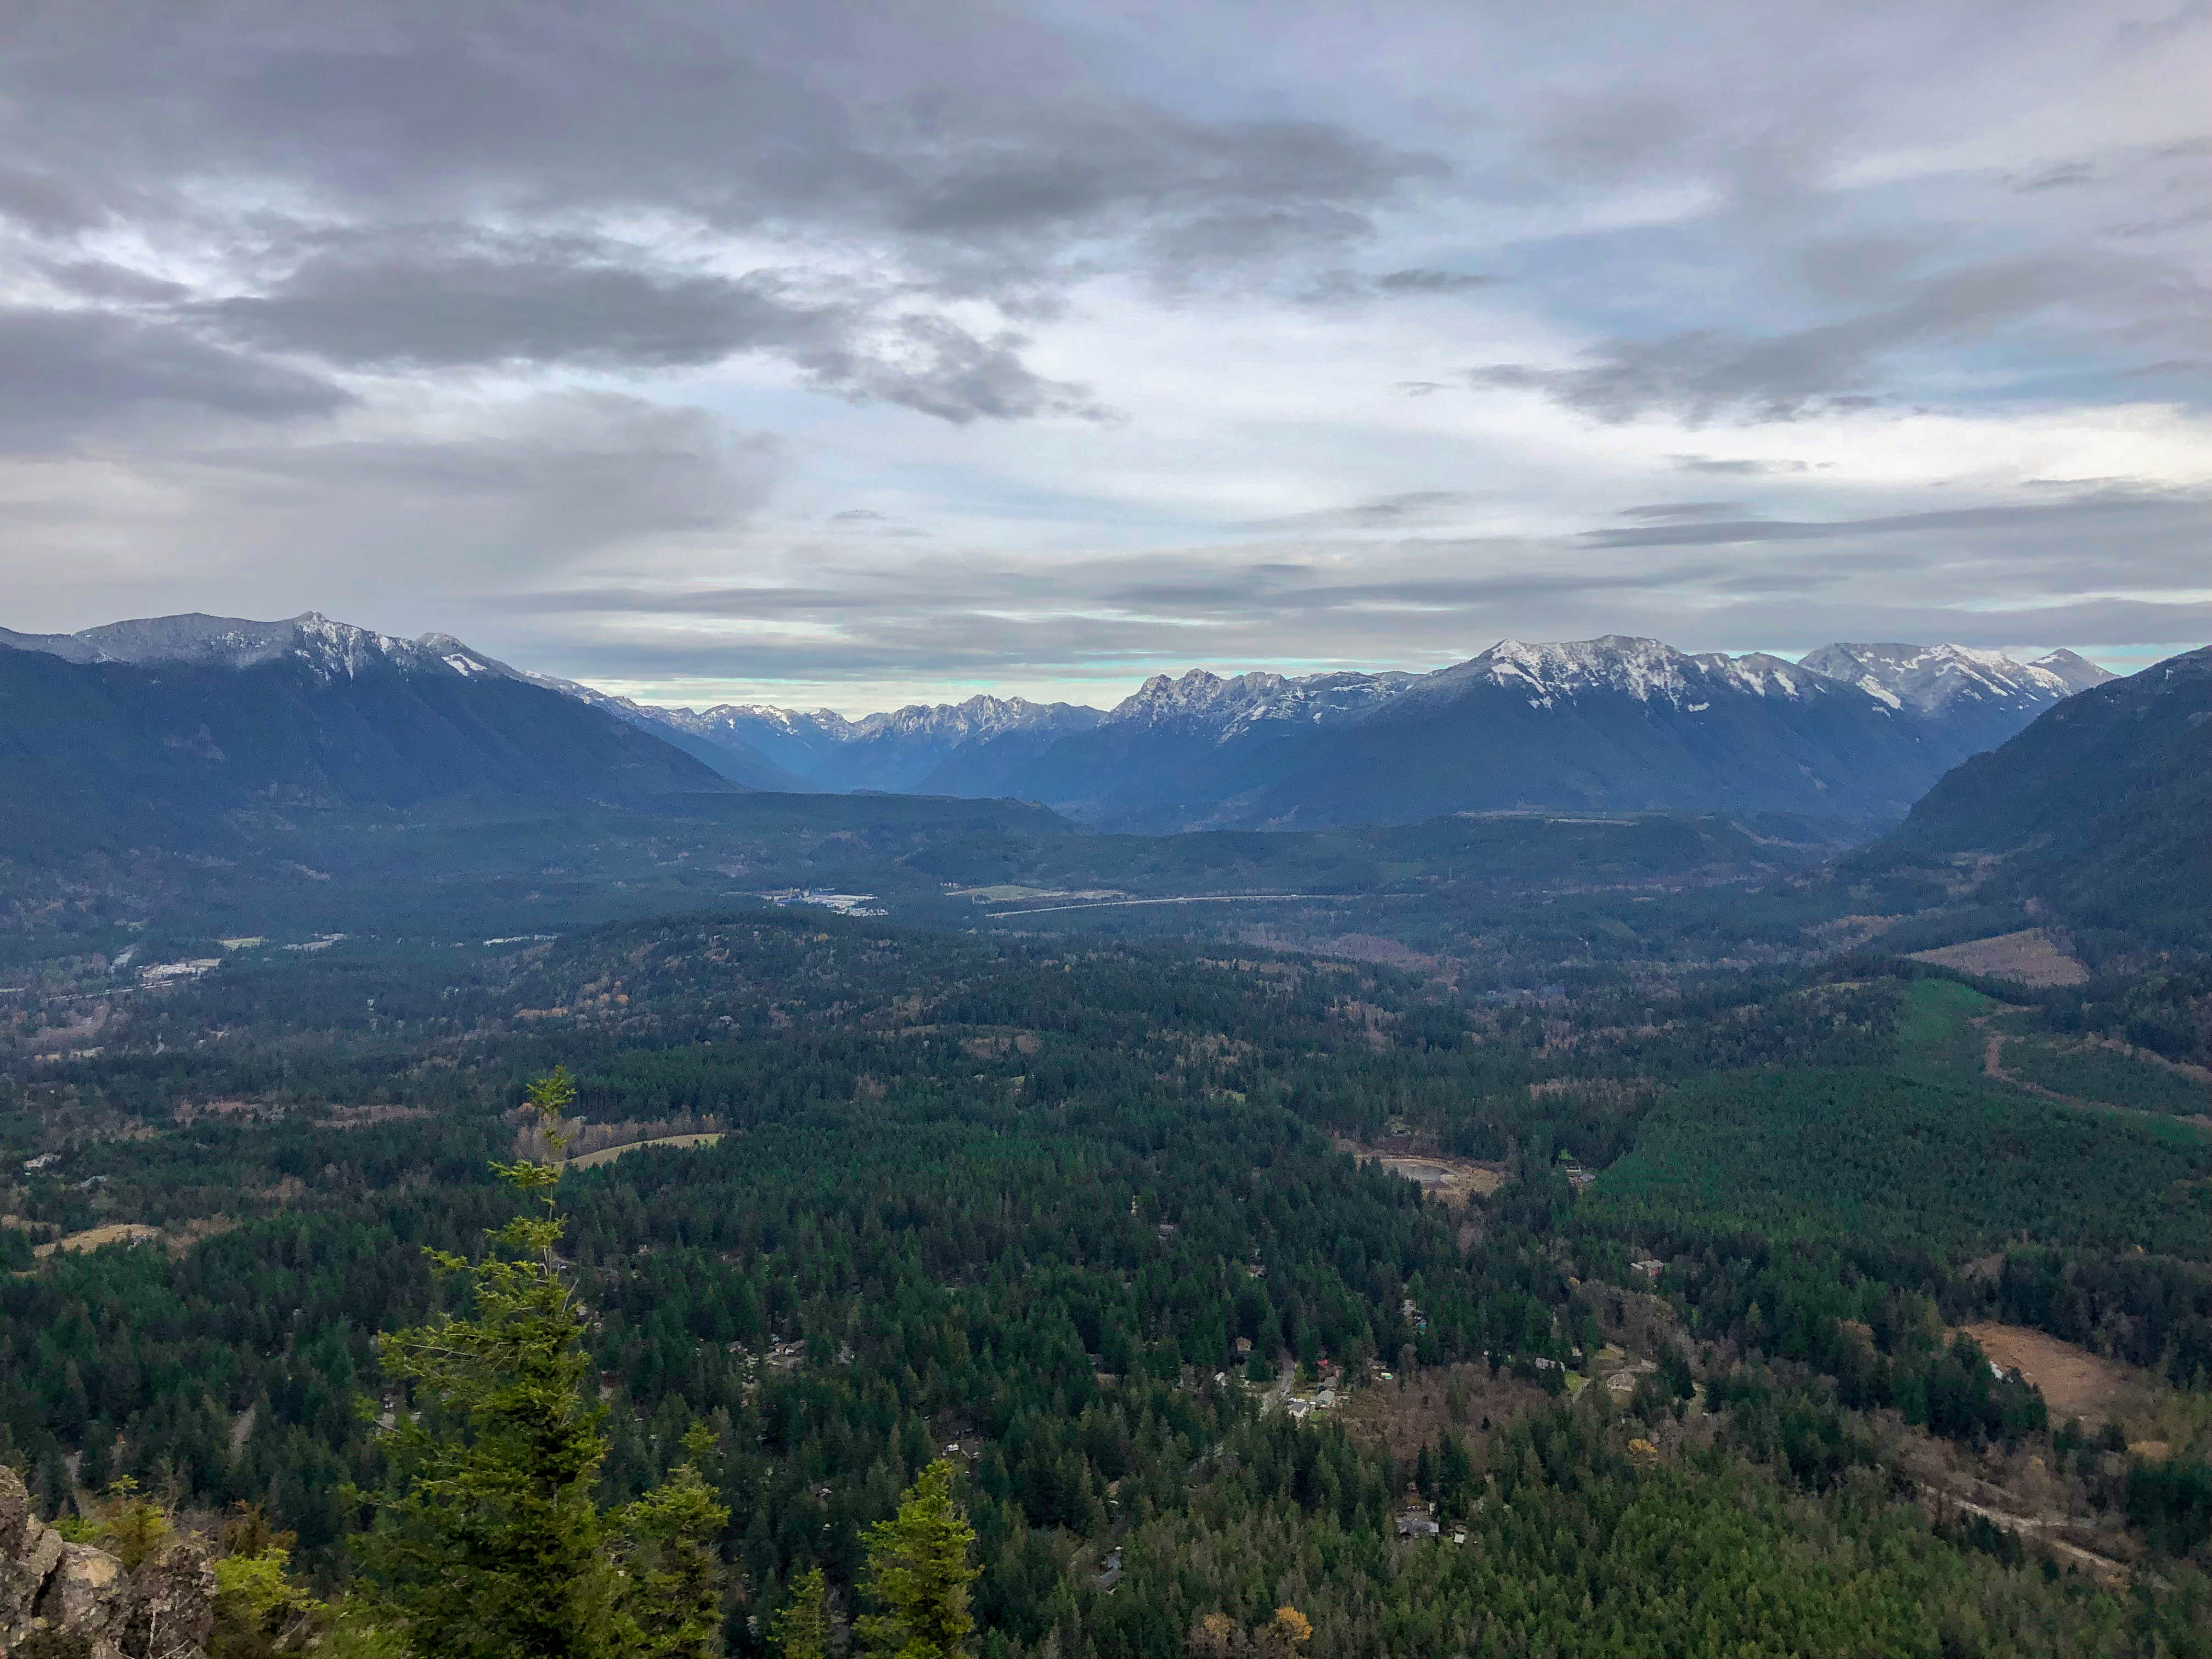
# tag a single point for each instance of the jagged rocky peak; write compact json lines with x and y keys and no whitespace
{"x":1201,"y":698}
{"x":1930,"y":678}
{"x":1614,"y":663}
{"x":981,"y":716}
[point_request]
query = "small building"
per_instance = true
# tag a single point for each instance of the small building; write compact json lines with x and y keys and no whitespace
{"x":1418,"y":1524}
{"x":1651,"y":1267}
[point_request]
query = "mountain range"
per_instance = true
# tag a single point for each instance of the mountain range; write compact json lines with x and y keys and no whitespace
{"x":1854,"y":731}
{"x":220,"y":713}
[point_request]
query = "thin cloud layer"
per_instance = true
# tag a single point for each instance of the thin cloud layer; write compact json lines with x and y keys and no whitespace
{"x":856,"y":351}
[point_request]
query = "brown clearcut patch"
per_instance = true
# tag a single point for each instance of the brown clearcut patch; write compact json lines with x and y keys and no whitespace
{"x":1451,"y":1180}
{"x":2074,"y":1382}
{"x":2031,"y":957}
{"x":609,"y":1154}
{"x":355,"y":1117}
{"x":122,"y":1232}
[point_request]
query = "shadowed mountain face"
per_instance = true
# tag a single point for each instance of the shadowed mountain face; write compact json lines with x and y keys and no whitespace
{"x":161,"y":728}
{"x":1613,"y":724}
{"x":2101,"y":809}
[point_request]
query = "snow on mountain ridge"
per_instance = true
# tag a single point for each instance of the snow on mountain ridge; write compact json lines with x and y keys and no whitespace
{"x":1931,"y":678}
{"x":330,"y":649}
{"x":1639,"y":668}
{"x":1239,"y":703}
{"x":1927,"y":679}
{"x":980,"y":716}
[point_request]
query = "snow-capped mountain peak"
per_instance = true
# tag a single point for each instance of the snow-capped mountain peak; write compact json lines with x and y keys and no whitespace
{"x":1205,"y":701}
{"x":980,"y":716}
{"x":1613,"y":664}
{"x":2078,"y":672}
{"x":195,"y":638}
{"x":1931,"y":679}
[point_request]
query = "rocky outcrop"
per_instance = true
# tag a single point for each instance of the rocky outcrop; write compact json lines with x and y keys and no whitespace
{"x":63,"y":1598}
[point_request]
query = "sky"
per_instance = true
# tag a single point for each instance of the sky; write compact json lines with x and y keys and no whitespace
{"x":853,"y":355}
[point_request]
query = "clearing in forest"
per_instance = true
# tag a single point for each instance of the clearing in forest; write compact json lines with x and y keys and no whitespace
{"x":125,"y":1232}
{"x":2030,"y":957}
{"x":609,"y":1154}
{"x":1449,"y":1179}
{"x":2074,"y":1382}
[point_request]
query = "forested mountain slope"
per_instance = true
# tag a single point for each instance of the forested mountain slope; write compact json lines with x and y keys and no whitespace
{"x":1617,"y":724}
{"x":162,"y":748}
{"x":2101,"y":810}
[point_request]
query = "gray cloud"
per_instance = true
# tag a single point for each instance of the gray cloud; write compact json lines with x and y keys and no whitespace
{"x":937,"y":366}
{"x":939,"y":124}
{"x":2060,"y":176}
{"x":382,"y":303}
{"x":1413,"y":601}
{"x":1422,"y":280}
{"x":388,"y":515}
{"x":950,"y":153}
{"x":389,"y":305}
{"x":1737,"y":467}
{"x":1682,"y":510}
{"x":1710,"y":374}
{"x":2096,"y":505}
{"x":327,"y":283}
{"x":66,"y":373}
{"x":103,"y":279}
{"x":1404,"y":511}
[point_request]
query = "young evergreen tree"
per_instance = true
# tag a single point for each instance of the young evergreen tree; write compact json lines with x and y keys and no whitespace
{"x":802,"y":1626}
{"x":490,"y":1542}
{"x":919,"y":1570}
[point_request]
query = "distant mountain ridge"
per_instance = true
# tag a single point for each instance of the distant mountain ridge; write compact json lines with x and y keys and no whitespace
{"x":1201,"y":749}
{"x":162,"y":730}
{"x":1982,"y":694}
{"x":1613,"y":723}
{"x":1856,"y":731}
{"x":196,"y":638}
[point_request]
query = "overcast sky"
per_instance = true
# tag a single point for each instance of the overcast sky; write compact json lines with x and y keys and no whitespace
{"x":849,"y":355}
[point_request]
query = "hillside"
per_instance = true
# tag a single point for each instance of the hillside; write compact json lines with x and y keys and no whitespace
{"x":305,"y":715}
{"x":2098,"y":809}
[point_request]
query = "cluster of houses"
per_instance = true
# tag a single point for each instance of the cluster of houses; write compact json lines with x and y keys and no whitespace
{"x":845,"y":904}
{"x":1418,"y":1521}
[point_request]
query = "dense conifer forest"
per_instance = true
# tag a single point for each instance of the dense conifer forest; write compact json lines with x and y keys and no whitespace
{"x":1674,"y":1359}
